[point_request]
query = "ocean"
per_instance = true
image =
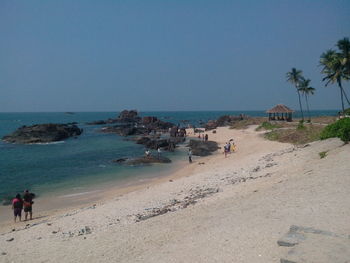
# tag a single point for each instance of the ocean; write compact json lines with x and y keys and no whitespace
{"x":74,"y":165}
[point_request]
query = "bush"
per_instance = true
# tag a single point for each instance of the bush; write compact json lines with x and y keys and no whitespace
{"x":301,"y":126}
{"x":322,"y":154}
{"x":267,"y":126}
{"x":340,"y":129}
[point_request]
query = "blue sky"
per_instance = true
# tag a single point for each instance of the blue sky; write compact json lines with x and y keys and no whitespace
{"x":164,"y":55}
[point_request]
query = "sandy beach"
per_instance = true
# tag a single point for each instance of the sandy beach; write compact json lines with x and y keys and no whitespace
{"x":216,"y":209}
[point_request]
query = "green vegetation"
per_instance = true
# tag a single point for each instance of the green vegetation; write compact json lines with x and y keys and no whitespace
{"x":308,"y":133}
{"x":244,"y":124}
{"x":336,"y":67}
{"x":322,"y":154}
{"x":301,"y":126}
{"x":267,"y":126}
{"x":340,"y":129}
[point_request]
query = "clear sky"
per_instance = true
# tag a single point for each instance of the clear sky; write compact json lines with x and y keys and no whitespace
{"x":87,"y":55}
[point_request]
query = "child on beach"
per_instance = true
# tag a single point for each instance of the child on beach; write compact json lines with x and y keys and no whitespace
{"x":17,"y":206}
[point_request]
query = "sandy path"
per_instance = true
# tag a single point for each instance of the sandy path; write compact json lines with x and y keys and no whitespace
{"x":228,"y":210}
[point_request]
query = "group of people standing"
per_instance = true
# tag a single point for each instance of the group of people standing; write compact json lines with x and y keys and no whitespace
{"x":25,"y":204}
{"x":203,"y":137}
{"x":228,"y":148}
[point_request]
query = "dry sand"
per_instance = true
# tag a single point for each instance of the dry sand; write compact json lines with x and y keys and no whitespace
{"x":217,"y":209}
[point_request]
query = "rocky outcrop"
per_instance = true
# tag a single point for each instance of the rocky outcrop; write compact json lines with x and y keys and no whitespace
{"x":126,"y":130}
{"x":43,"y":133}
{"x":224,"y":120}
{"x":138,"y":129}
{"x":128,"y":116}
{"x":203,"y":148}
{"x":167,"y":144}
{"x":143,"y":160}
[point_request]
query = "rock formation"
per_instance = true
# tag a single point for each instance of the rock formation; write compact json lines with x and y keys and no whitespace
{"x":203,"y":148}
{"x":143,"y":160}
{"x":43,"y":133}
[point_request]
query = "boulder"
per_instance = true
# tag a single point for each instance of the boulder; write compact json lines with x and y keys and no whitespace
{"x":125,"y":130}
{"x":224,"y":120}
{"x":143,"y":160}
{"x":168,"y":144}
{"x":203,"y":148}
{"x":43,"y":133}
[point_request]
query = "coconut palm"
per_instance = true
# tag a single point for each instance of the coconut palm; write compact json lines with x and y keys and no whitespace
{"x":344,"y":47}
{"x":306,"y":90}
{"x":335,"y":71}
{"x":294,"y":77}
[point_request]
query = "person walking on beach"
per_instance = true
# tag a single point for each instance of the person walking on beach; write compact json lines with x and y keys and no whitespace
{"x":189,"y":155}
{"x":159,"y":152}
{"x":206,"y":137}
{"x":17,"y":206}
{"x":28,"y":203}
{"x":147,"y":153}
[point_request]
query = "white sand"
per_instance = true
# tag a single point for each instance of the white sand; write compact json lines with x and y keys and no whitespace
{"x":263,"y":189}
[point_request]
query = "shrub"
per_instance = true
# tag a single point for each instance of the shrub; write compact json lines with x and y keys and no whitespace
{"x":322,"y":154}
{"x":340,"y":129}
{"x":267,"y":126}
{"x":301,"y":126}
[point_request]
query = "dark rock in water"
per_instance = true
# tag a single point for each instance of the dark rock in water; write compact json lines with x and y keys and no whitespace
{"x":120,"y":160}
{"x":126,"y":130}
{"x":168,"y":144}
{"x":200,"y":148}
{"x":43,"y":133}
{"x":129,"y":116}
{"x":100,"y":122}
{"x":143,"y":160}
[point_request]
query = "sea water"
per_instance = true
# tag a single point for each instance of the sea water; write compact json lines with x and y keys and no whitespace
{"x":74,"y":165}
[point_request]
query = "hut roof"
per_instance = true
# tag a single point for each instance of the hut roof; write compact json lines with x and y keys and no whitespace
{"x":280,"y":108}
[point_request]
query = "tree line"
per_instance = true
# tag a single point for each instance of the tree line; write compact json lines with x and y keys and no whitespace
{"x":336,"y":69}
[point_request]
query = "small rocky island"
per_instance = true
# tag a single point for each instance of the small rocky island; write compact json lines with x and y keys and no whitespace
{"x":43,"y":133}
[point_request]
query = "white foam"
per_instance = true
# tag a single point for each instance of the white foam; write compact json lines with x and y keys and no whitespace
{"x":79,"y":194}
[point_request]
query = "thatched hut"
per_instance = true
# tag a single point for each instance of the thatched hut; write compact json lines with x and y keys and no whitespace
{"x":280,"y":112}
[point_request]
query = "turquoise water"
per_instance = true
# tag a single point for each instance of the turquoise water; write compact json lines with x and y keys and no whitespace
{"x":85,"y":161}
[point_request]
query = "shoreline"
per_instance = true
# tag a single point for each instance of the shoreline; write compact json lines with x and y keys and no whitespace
{"x":105,"y":192}
{"x":44,"y":204}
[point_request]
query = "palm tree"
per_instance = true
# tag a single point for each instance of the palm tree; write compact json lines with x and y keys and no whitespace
{"x":344,"y":47}
{"x":305,"y":90}
{"x":294,"y":77}
{"x":335,"y":71}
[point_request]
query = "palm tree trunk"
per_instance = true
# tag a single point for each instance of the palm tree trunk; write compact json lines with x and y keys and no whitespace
{"x":346,"y":97}
{"x":341,"y":94}
{"x":307,"y":105}
{"x":301,"y":108}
